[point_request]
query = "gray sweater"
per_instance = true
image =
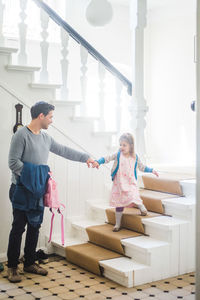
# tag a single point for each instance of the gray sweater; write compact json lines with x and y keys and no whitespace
{"x":34,"y":148}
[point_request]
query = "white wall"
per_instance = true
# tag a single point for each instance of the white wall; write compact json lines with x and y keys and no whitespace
{"x":170,"y":82}
{"x":112,"y":40}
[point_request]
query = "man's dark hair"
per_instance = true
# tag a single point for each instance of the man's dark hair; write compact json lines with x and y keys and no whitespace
{"x":41,"y":107}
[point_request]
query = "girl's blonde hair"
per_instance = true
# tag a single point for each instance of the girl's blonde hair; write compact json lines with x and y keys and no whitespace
{"x":128,"y":138}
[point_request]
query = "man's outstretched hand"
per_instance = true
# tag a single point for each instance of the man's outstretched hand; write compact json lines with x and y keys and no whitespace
{"x":90,"y":161}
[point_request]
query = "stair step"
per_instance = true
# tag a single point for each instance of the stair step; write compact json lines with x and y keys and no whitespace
{"x":126,"y":271}
{"x":88,"y":255}
{"x":131,"y":218}
{"x":37,"y":85}
{"x":162,"y":184}
{"x":22,"y":68}
{"x":8,"y":50}
{"x":103,"y":235}
{"x":189,"y":188}
{"x":180,"y":207}
{"x":146,"y":250}
{"x":163,"y":222}
{"x":144,"y":243}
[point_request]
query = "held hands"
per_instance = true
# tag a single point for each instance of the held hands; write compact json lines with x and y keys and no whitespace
{"x":95,"y":164}
{"x":92,"y":162}
{"x":155,"y":173}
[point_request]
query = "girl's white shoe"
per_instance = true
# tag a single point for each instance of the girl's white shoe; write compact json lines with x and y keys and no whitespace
{"x":142,"y":209}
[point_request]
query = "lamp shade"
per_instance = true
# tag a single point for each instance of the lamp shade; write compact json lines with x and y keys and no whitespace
{"x":99,"y":12}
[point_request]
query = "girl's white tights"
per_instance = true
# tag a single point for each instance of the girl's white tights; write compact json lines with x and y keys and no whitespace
{"x":118,"y":217}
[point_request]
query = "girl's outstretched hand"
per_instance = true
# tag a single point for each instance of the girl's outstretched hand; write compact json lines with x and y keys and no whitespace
{"x":155,"y":173}
{"x":95,"y":164}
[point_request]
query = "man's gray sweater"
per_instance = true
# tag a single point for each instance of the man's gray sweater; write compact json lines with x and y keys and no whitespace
{"x":34,"y":148}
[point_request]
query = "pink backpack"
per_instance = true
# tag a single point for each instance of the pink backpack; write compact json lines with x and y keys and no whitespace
{"x":51,"y":200}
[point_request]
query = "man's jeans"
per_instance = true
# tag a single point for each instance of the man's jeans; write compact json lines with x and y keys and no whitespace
{"x":18,"y":227}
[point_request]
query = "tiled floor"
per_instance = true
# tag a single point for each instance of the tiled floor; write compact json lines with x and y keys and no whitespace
{"x":66,"y":281}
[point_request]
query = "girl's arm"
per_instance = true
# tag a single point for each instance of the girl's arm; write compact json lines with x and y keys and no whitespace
{"x":104,"y":160}
{"x":146,"y":169}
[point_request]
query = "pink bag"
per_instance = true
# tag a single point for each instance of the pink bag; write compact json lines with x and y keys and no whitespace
{"x":51,"y":200}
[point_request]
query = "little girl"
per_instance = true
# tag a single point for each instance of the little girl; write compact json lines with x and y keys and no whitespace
{"x":125,"y":192}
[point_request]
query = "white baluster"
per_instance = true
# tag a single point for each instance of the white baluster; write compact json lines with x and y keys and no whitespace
{"x":102,"y":72}
{"x":139,"y":107}
{"x":83,"y":79}
{"x":118,"y":87}
{"x":64,"y":62}
{"x":2,"y":7}
{"x":22,"y":56}
{"x":44,"y":45}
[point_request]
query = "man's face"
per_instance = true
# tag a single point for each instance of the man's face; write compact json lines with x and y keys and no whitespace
{"x":46,"y":120}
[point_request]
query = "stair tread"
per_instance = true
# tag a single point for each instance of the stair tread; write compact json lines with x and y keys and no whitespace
{"x":104,"y":236}
{"x":122,"y":264}
{"x":8,"y":49}
{"x":84,"y":223}
{"x":45,"y":85}
{"x":181,"y":201}
{"x":164,"y":221}
{"x":144,"y":242}
{"x":23,"y":68}
{"x":68,"y":242}
{"x":156,"y":194}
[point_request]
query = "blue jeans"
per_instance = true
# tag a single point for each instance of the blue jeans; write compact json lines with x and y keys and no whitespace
{"x":14,"y":246}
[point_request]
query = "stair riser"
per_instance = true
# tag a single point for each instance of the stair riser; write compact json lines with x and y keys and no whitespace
{"x":189,"y":188}
{"x":79,"y":233}
{"x":145,"y":256}
{"x":178,"y":211}
{"x":126,"y":281}
{"x":98,"y":214}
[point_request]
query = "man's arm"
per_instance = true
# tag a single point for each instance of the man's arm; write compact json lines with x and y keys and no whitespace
{"x":67,"y":152}
{"x":15,"y":153}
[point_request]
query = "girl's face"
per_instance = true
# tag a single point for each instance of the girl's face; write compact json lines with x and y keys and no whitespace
{"x":124,"y":147}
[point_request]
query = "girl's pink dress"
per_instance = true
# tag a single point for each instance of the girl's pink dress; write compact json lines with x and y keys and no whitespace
{"x":124,"y":190}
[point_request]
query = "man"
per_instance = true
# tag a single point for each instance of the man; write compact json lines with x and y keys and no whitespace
{"x":31,"y":145}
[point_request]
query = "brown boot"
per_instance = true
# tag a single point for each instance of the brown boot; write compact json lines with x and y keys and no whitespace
{"x":35,"y":269}
{"x":13,"y":275}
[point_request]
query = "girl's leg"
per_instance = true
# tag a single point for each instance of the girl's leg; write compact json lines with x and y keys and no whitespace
{"x":118,"y":217}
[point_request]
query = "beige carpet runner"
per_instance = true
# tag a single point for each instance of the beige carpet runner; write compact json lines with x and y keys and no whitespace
{"x":88,"y":256}
{"x":106,"y":244}
{"x":153,"y":200}
{"x":162,"y":184}
{"x":131,"y":218}
{"x":104,"y":236}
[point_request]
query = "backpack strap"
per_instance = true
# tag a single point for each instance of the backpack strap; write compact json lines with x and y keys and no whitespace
{"x":51,"y":228}
{"x":62,"y":225}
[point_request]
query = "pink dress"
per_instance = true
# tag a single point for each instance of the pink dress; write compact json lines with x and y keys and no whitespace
{"x":124,"y":190}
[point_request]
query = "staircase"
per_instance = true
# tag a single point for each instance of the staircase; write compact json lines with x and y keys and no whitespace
{"x":147,"y":249}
